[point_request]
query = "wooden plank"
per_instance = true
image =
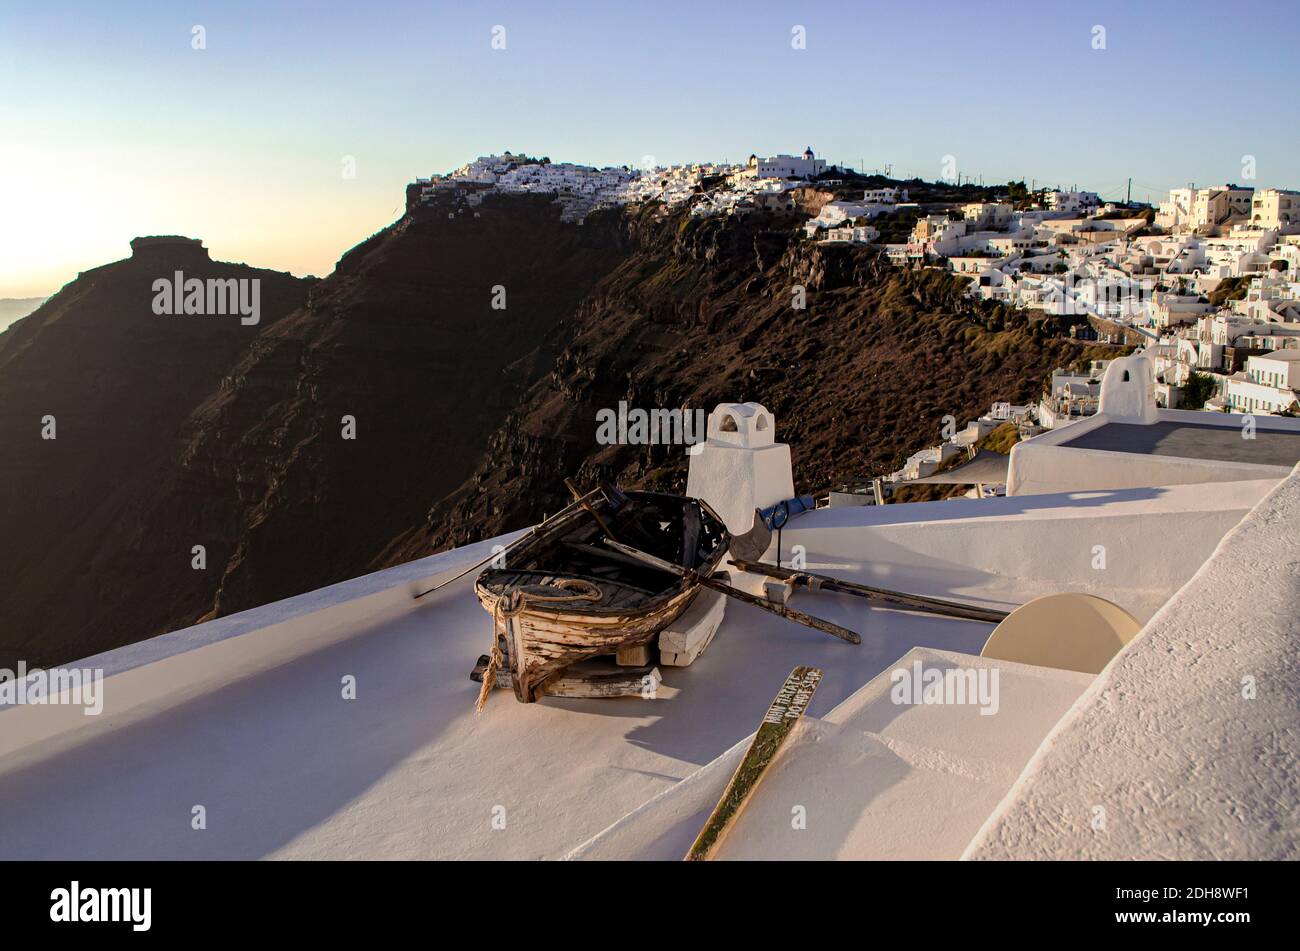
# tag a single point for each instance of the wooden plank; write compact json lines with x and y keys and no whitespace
{"x":686,"y":638}
{"x":912,"y":602}
{"x":789,"y":705}
{"x":519,"y":661}
{"x":640,"y":682}
{"x":637,"y":656}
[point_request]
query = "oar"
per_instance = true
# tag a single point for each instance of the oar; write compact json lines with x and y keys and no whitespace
{"x":780,"y":610}
{"x":535,"y":529}
{"x":911,"y":602}
{"x":591,"y":509}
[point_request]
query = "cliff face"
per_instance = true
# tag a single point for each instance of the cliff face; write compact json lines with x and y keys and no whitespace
{"x":185,"y":431}
{"x":111,"y":381}
{"x":176,"y":432}
{"x":403,"y":339}
{"x":702,"y":312}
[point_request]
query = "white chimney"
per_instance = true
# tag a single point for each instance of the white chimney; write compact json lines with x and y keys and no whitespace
{"x":740,"y":466}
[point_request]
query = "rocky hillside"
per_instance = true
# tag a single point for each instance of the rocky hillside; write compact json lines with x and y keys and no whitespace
{"x":702,"y":313}
{"x":391,"y":409}
{"x":94,"y":387}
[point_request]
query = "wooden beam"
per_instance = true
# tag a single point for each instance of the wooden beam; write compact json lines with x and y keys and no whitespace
{"x":535,"y":529}
{"x":790,"y":614}
{"x":911,"y":602}
{"x":591,"y":509}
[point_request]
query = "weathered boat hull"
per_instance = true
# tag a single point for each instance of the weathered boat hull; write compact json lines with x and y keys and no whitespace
{"x":549,"y":612}
{"x":540,"y":644}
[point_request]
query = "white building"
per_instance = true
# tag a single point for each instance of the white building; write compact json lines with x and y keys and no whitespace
{"x":1072,"y":201}
{"x":833,"y":214}
{"x":884,"y":196}
{"x":1205,"y":209}
{"x":984,"y":216}
{"x":787,"y":166}
{"x":1270,"y":299}
{"x":1279,"y":368}
{"x":859,"y":234}
{"x":1071,"y":396}
{"x":1238,"y":252}
{"x":1276,"y":209}
{"x":1227,"y":329}
{"x":1169,"y":309}
{"x":1022,"y":242}
{"x":1268,"y":384}
{"x":938,"y":234}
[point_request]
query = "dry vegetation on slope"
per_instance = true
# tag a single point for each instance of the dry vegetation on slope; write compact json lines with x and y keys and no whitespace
{"x":701,"y":313}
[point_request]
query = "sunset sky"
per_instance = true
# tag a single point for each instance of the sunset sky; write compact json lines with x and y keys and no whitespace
{"x":112,"y":125}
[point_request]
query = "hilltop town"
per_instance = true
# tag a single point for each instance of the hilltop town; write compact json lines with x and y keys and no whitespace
{"x":1207,"y":283}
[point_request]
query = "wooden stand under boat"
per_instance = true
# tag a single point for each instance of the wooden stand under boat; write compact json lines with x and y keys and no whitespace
{"x":586,"y":680}
{"x":563,"y":596}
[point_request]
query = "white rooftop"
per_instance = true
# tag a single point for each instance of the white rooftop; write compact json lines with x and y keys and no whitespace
{"x":245,"y":716}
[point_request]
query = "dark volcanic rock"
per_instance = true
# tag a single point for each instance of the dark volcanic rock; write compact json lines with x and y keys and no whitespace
{"x":183,"y":431}
{"x":118,"y":381}
{"x":702,"y":313}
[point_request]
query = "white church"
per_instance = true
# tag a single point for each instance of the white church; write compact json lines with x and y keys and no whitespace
{"x":787,"y":166}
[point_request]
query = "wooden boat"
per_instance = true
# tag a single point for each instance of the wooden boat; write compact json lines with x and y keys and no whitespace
{"x":561,"y":595}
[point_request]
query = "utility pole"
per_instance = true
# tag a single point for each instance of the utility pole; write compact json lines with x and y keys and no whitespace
{"x":1128,"y":198}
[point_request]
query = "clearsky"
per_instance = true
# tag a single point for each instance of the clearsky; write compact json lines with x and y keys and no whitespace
{"x":113,"y":124}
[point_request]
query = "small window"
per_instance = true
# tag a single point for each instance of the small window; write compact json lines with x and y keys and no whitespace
{"x":1125,"y":377}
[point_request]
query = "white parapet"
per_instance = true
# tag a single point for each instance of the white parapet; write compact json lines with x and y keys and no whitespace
{"x":1177,"y":447}
{"x":740,"y":466}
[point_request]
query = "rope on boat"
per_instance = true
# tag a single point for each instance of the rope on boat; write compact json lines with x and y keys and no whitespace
{"x":514,"y":603}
